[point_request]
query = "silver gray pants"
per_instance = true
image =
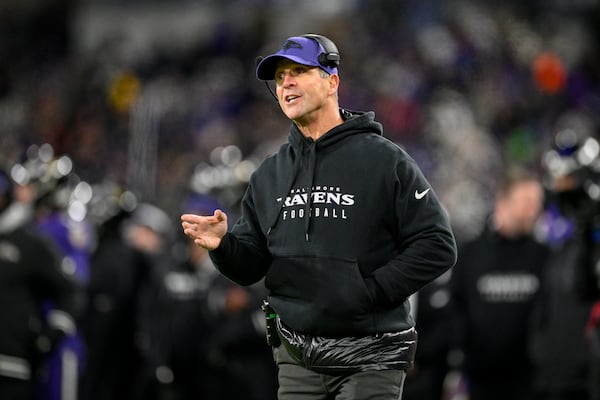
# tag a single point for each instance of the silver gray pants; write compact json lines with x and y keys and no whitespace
{"x":299,"y":383}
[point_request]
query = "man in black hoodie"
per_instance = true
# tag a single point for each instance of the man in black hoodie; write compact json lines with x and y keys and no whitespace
{"x":343,"y":226}
{"x":494,"y":285}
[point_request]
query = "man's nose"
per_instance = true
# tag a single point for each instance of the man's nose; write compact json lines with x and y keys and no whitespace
{"x":288,"y":79}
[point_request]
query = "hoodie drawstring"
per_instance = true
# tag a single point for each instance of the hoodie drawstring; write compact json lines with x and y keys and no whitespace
{"x":312,"y":156}
{"x":311,"y":175}
{"x":290,"y":183}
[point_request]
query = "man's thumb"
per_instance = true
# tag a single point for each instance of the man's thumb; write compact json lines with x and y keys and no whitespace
{"x":220,"y":215}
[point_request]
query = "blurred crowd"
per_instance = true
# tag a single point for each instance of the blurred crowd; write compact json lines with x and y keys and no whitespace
{"x":105,"y":298}
{"x":116,"y":117}
{"x":141,"y":93}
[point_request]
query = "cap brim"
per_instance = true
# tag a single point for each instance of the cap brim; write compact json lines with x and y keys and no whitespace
{"x":265,"y":70}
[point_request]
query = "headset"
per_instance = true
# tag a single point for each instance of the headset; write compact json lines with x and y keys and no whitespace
{"x":330,"y":58}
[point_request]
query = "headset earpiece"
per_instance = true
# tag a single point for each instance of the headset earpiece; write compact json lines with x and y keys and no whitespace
{"x":331,"y":57}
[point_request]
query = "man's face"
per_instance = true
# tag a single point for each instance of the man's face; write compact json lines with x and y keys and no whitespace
{"x":301,"y":90}
{"x":522,"y":206}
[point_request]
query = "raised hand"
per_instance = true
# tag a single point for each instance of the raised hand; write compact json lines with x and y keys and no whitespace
{"x":205,"y":231}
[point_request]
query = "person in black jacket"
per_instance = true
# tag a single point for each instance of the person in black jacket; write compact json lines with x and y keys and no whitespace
{"x":30,"y":274}
{"x":213,"y":328}
{"x":118,"y":326}
{"x":494,"y":284}
{"x":343,"y":226}
{"x":431,"y":306}
{"x":563,"y":343}
{"x":587,"y":285}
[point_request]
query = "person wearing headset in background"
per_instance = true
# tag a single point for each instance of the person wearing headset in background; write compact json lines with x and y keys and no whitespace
{"x":344,"y":227}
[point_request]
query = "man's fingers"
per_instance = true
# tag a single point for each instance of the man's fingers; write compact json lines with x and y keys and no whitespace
{"x":217,"y":217}
{"x":220,"y":215}
{"x":191,"y":218}
{"x":187,"y":227}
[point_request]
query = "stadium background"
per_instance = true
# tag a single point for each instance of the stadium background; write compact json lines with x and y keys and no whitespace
{"x":160,"y":96}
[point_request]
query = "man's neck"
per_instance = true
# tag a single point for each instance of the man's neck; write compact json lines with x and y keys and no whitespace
{"x":321,"y":124}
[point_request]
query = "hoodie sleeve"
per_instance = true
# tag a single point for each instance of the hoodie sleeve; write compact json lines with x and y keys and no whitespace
{"x":425,"y":242}
{"x":243,"y":256}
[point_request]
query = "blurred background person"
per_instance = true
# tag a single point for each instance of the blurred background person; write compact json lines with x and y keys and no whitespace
{"x":30,"y":273}
{"x":560,"y":351}
{"x":214,"y":331}
{"x":239,"y":345}
{"x":431,"y":308}
{"x":494,"y":285}
{"x":130,"y":247}
{"x":54,"y":194}
{"x":190,"y":321}
{"x":588,"y":286}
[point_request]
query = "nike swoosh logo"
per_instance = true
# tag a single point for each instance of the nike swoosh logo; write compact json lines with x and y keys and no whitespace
{"x":419,"y":196}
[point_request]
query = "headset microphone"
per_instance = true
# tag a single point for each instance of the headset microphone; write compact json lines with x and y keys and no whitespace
{"x":258,"y":60}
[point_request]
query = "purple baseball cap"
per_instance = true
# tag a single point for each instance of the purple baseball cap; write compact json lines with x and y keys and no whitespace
{"x":303,"y":50}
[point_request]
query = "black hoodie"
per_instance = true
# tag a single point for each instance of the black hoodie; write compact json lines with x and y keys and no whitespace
{"x":345,"y":229}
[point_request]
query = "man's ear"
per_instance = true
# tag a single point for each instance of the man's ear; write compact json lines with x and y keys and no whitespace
{"x":334,"y":83}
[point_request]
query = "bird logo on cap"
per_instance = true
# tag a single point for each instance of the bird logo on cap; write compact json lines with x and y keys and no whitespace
{"x":290,"y":44}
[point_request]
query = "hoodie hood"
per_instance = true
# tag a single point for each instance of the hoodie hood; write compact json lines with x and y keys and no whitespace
{"x":355,"y":122}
